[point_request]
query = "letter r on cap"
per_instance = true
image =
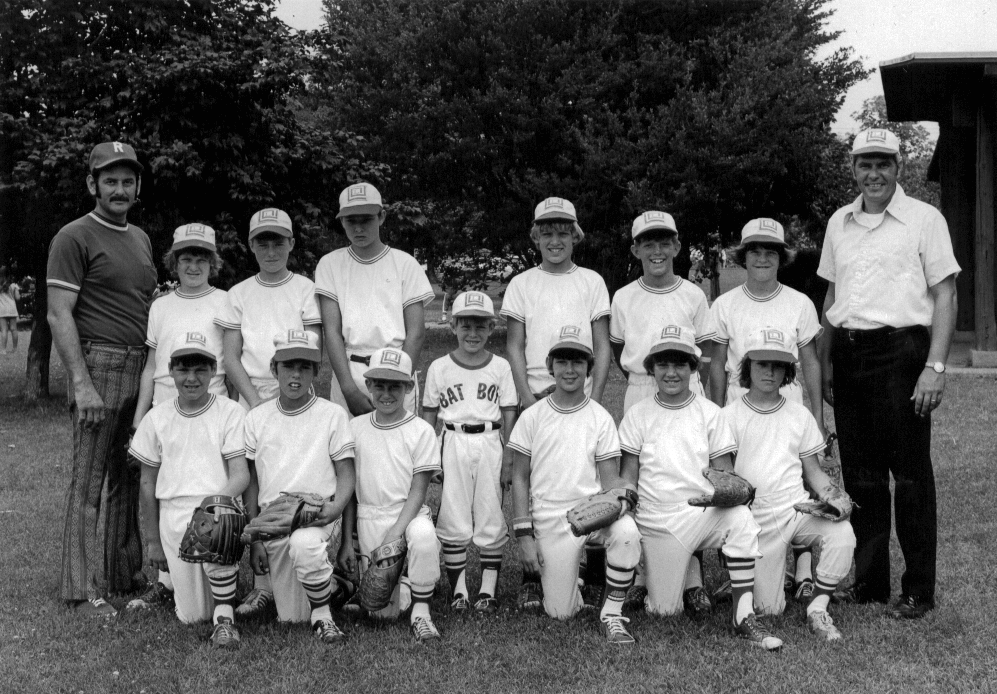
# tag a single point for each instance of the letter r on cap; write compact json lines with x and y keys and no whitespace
{"x":118,"y":147}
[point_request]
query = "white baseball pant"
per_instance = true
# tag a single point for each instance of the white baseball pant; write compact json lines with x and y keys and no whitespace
{"x":301,"y":557}
{"x":471,"y":503}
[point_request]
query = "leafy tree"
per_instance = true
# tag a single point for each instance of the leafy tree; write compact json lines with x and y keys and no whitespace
{"x":714,"y":110}
{"x":207,"y":94}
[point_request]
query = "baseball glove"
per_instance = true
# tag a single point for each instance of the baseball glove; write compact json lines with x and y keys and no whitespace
{"x":835,"y":505}
{"x":283,"y":516}
{"x":601,"y":510}
{"x":381,"y":577}
{"x":213,"y":532}
{"x":729,"y":489}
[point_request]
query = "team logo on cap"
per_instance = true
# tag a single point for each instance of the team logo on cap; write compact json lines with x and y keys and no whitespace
{"x":554,"y":202}
{"x":774,"y":336}
{"x":474,"y":299}
{"x":766,"y":224}
{"x":358,"y":192}
{"x":267,"y":215}
{"x":390,"y":357}
{"x":118,"y":147}
{"x":194,"y":230}
{"x":654,"y":216}
{"x":876,"y":136}
{"x":297,"y":337}
{"x":571,"y":332}
{"x":671,"y":331}
{"x":197,"y":339}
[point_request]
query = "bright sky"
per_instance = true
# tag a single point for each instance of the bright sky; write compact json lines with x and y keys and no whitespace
{"x":877,"y":30}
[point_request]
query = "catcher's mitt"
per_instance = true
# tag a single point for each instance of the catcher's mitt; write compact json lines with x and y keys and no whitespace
{"x":283,"y":516}
{"x":601,"y":510}
{"x":213,"y":532}
{"x":835,"y":506}
{"x":381,"y":577}
{"x":729,"y":489}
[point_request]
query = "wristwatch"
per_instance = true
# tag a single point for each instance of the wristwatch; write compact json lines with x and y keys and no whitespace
{"x":937,"y":366}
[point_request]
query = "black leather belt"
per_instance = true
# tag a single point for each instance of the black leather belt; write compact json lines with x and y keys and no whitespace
{"x":360,"y":360}
{"x":474,"y":428}
{"x":879,"y":334}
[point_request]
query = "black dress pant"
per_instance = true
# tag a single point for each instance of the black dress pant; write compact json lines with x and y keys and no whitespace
{"x":875,"y":372}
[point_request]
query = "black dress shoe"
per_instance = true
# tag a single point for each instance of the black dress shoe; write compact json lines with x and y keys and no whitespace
{"x":858,"y":594}
{"x":911,"y":607}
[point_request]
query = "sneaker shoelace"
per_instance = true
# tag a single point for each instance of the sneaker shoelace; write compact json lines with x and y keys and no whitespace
{"x":755,"y":628}
{"x":822,"y":620}
{"x":98,"y":602}
{"x":615,"y":624}
{"x":424,"y":628}
{"x":326,"y":628}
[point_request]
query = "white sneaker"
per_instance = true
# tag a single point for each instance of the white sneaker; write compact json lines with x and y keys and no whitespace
{"x":424,"y":630}
{"x":821,"y":624}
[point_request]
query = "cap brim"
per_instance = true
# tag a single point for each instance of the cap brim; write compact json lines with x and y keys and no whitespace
{"x":875,"y":149}
{"x":187,"y":351}
{"x":468,"y":312}
{"x":675,"y":347}
{"x":273,"y":229}
{"x":570,"y":345}
{"x":125,"y":161}
{"x":771,"y":240}
{"x":656,"y":227}
{"x":359,"y":209}
{"x":387,"y":375}
{"x":771,"y":355}
{"x":556,"y":214}
{"x":292,"y":353}
{"x":193,"y":243}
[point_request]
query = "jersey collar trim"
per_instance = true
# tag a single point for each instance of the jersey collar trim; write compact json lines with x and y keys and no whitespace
{"x":557,"y":274}
{"x":395,"y":425}
{"x":760,"y":410}
{"x":367,"y":261}
{"x":568,"y":410}
{"x":110,"y":225}
{"x":469,"y":367}
{"x":654,"y":290}
{"x":211,"y":401}
{"x":279,"y":283}
{"x":762,"y":299}
{"x":304,"y":408}
{"x":181,"y":295}
{"x":685,"y":403}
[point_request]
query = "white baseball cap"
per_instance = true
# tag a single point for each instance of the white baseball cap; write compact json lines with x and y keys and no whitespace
{"x":763,"y":230}
{"x":390,"y":364}
{"x":273,"y":220}
{"x":651,"y":220}
{"x":876,"y":141}
{"x":359,"y":198}
{"x":296,"y":344}
{"x":557,"y":208}
{"x":193,"y":236}
{"x":191,"y":343}
{"x":770,"y":344}
{"x":675,"y":338}
{"x":572,"y":337}
{"x":473,"y":304}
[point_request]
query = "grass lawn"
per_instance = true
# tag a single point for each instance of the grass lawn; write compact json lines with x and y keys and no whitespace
{"x":45,"y":648}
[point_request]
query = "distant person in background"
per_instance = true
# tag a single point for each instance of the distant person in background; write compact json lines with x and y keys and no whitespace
{"x":101,"y":279}
{"x":9,"y":296}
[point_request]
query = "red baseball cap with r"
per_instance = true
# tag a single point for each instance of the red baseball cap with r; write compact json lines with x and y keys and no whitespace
{"x":112,"y":153}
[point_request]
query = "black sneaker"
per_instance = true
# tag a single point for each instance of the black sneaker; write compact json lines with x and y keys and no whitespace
{"x":911,"y":607}
{"x":636,"y":598}
{"x":530,"y":596}
{"x":857,"y":594}
{"x":157,"y":595}
{"x":696,"y":603}
{"x":591,"y":596}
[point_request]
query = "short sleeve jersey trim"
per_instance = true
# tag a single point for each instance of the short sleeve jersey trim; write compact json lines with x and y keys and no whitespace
{"x":388,"y":456}
{"x":176,"y":314}
{"x":466,"y":394}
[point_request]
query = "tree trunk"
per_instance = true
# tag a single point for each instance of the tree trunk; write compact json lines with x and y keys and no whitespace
{"x":40,"y":346}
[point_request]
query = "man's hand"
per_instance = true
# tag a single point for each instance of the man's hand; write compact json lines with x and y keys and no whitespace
{"x":358,"y":401}
{"x":258,"y":559}
{"x":157,"y":557}
{"x":528,"y":555}
{"x":928,"y":392}
{"x":89,"y":405}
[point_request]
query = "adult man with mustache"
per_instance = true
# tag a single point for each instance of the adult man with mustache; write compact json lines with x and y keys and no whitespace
{"x":101,"y":280}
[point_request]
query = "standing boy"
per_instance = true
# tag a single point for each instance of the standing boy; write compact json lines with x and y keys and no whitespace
{"x":191,"y":447}
{"x":371,"y":296}
{"x":668,"y":442}
{"x":396,"y":456}
{"x":299,"y":442}
{"x":270,"y":303}
{"x":566,"y":449}
{"x":471,"y":390}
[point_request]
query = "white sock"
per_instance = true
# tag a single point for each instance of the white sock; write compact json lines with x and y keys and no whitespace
{"x":263,"y":582}
{"x":461,"y":587}
{"x":321,"y":613}
{"x":420,"y":609}
{"x":224,"y":611}
{"x":166,"y":579}
{"x":489,"y":580}
{"x":819,"y":604}
{"x":744,"y":608}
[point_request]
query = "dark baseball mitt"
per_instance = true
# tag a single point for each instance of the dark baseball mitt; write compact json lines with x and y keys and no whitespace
{"x":381,"y":577}
{"x":601,"y":510}
{"x":834,"y":504}
{"x":729,"y":489}
{"x":283,"y":516}
{"x":212,"y":535}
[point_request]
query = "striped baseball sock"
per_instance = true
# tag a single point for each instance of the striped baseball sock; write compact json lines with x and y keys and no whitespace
{"x":319,"y":596}
{"x":618,"y":581}
{"x":804,"y":561}
{"x":455,"y":560}
{"x":420,"y":602}
{"x":823,"y":591}
{"x":223,"y":591}
{"x":742,"y":584}
{"x":594,"y":573}
{"x":491,"y":564}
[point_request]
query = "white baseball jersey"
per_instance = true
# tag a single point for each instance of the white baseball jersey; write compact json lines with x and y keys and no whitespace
{"x":737,"y":314}
{"x":771,"y":444}
{"x":639,"y":313}
{"x":388,"y":456}
{"x":545,"y":302}
{"x":261,"y":310}
{"x":674,"y":445}
{"x":176,"y":314}
{"x":372,"y":295}
{"x":469,"y":394}
{"x":190,"y":448}
{"x":295,"y":451}
{"x":565,"y":446}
